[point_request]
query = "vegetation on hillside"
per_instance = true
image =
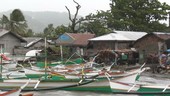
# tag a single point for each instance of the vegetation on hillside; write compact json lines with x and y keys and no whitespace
{"x":127,"y":15}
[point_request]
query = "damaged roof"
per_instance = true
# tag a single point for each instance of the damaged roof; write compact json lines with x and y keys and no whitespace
{"x":32,"y":40}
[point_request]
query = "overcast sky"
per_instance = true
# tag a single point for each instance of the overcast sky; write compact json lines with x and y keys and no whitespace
{"x":87,"y":6}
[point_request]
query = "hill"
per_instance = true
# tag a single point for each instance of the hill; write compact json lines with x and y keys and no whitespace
{"x":37,"y":21}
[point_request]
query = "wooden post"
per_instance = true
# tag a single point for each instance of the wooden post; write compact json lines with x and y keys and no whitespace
{"x":45,"y":58}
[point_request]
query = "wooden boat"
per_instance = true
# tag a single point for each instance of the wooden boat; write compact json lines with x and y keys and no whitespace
{"x":81,"y":84}
{"x":40,"y":80}
{"x":124,"y":83}
{"x":155,"y":89}
{"x":27,"y":94}
{"x":12,"y":74}
{"x":11,"y":93}
{"x":138,"y":88}
{"x":37,"y":85}
{"x":77,"y":71}
{"x":14,"y":92}
{"x":10,"y":65}
{"x":148,"y":90}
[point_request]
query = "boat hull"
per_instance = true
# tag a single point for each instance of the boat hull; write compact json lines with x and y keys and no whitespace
{"x":144,"y":90}
{"x":94,"y":85}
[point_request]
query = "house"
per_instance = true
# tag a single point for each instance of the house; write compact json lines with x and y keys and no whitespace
{"x":77,"y":42}
{"x":119,"y":41}
{"x":35,"y":43}
{"x":10,"y":40}
{"x":38,"y":43}
{"x":116,"y":40}
{"x":152,"y":45}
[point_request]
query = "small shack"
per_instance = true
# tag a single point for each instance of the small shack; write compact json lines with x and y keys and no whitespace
{"x":151,"y":46}
{"x":76,"y":42}
{"x":117,"y":40}
{"x":9,"y":41}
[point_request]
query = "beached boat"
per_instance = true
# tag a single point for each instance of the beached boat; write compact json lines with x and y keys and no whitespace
{"x":138,"y":88}
{"x":124,"y":83}
{"x":15,"y":92}
{"x":11,"y":93}
{"x":47,"y":79}
{"x":12,"y":74}
{"x":10,"y":65}
{"x":60,"y":82}
{"x":37,"y":85}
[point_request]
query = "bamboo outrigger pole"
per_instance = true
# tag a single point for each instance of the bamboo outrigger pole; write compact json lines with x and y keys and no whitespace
{"x":1,"y":65}
{"x":45,"y":58}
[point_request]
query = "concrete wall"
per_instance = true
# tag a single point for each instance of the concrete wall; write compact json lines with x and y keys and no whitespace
{"x":9,"y":41}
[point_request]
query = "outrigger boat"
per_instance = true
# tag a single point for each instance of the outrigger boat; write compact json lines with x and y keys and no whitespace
{"x":37,"y":85}
{"x":48,"y":80}
{"x":54,"y":82}
{"x":16,"y":92}
{"x":120,"y":86}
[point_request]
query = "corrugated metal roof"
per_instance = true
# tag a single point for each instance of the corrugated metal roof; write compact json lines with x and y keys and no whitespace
{"x":78,"y":39}
{"x":131,"y":34}
{"x":81,"y":38}
{"x":32,"y":40}
{"x":111,"y":37}
{"x":3,"y":32}
{"x":162,"y":35}
{"x":120,"y":36}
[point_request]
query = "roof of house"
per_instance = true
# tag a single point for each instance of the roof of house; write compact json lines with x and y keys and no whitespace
{"x":111,"y":37}
{"x":4,"y":32}
{"x":162,"y":35}
{"x":81,"y":38}
{"x":78,"y":39}
{"x":159,"y":35}
{"x":120,"y":36}
{"x":32,"y":40}
{"x":133,"y":35}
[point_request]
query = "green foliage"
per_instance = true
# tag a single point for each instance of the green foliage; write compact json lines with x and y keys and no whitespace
{"x":138,"y":15}
{"x":4,"y":22}
{"x":16,"y":23}
{"x":17,"y":16}
{"x":61,"y":29}
{"x":30,"y":33}
{"x":39,"y":34}
{"x":49,"y":31}
{"x":96,"y":24}
{"x":129,"y":15}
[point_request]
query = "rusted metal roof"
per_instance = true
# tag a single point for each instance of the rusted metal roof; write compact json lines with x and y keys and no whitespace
{"x":81,"y":39}
{"x":162,"y":35}
{"x":74,"y":39}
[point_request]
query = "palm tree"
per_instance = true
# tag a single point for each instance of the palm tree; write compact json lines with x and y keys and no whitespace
{"x":16,"y":23}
